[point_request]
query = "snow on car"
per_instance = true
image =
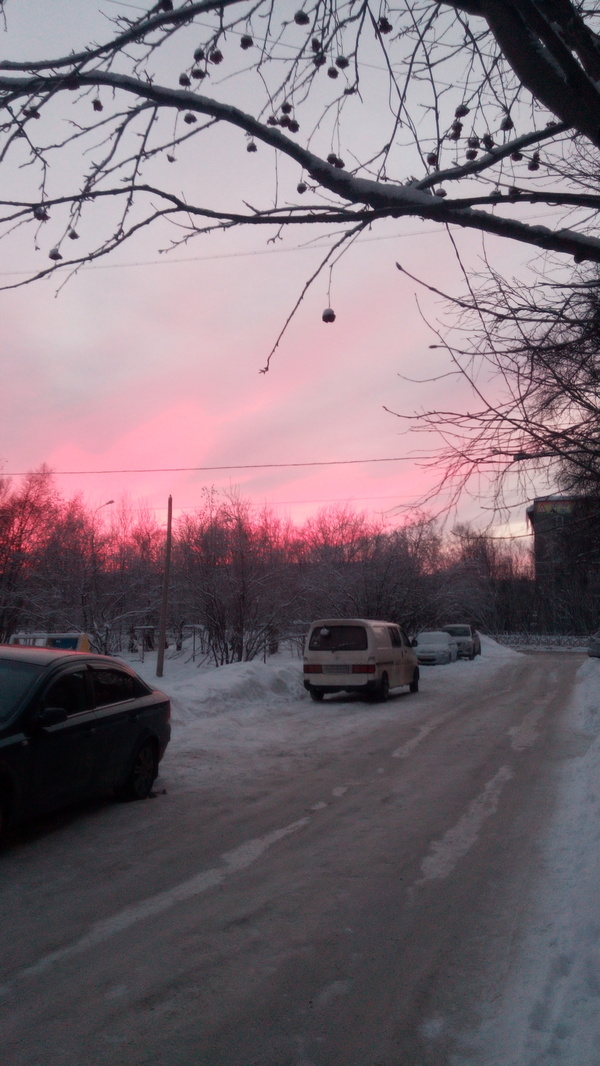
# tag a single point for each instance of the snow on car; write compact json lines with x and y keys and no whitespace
{"x":435,"y":647}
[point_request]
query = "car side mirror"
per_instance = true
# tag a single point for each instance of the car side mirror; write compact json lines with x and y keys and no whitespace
{"x":50,"y":716}
{"x":414,"y":642}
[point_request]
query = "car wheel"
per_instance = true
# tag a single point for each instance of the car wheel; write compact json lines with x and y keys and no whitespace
{"x":142,"y":774}
{"x":414,"y":685}
{"x":384,"y":688}
{"x":4,"y":819}
{"x":316,"y":694}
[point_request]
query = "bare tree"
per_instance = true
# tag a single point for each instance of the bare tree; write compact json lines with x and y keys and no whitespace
{"x":27,"y":515}
{"x":494,"y":106}
{"x":530,"y":362}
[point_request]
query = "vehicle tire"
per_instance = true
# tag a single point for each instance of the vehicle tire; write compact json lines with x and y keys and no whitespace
{"x":472,"y":655}
{"x":414,"y":685}
{"x":316,"y":694}
{"x":142,"y":774}
{"x":4,"y":819}
{"x":384,"y":688}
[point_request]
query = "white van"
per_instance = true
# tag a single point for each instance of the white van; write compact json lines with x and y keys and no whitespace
{"x":358,"y":655}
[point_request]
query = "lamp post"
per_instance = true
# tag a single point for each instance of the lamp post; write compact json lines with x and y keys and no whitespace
{"x":84,"y":597}
{"x":162,"y":623}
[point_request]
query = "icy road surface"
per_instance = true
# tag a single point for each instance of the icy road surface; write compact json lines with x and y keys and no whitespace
{"x":342,"y":884}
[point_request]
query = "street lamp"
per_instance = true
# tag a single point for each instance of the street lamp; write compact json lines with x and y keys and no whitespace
{"x":89,"y":584}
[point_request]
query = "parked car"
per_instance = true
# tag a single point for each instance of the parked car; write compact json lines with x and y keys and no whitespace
{"x":74,"y":725}
{"x":358,"y":655}
{"x":594,"y":645}
{"x":435,"y":646}
{"x":467,"y":638}
{"x":71,"y":641}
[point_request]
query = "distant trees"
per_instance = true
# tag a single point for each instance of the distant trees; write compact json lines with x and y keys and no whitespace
{"x":234,"y":575}
{"x":27,"y":516}
{"x":245,"y":581}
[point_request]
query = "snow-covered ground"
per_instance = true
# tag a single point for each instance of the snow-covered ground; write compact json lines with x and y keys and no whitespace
{"x":239,"y":718}
{"x":550,"y":1012}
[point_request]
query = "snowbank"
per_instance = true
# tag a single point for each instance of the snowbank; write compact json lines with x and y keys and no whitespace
{"x":550,"y":1012}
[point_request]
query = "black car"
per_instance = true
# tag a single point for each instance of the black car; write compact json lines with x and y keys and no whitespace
{"x":74,"y":725}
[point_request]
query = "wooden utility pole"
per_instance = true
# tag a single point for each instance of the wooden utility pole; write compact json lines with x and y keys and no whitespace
{"x":162,"y":623}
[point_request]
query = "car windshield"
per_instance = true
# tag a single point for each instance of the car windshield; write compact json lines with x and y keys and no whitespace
{"x":458,"y":631}
{"x":15,"y":680}
{"x":338,"y":638}
{"x":431,"y":637}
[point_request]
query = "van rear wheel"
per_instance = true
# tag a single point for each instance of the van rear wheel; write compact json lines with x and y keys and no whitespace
{"x":384,"y":688}
{"x":316,"y":694}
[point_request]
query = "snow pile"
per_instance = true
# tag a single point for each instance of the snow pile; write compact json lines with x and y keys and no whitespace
{"x":587,"y":707}
{"x":202,"y":692}
{"x":551,"y":1010}
{"x":490,"y":649}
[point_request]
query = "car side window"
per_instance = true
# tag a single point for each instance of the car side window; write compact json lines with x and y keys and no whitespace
{"x":396,"y":639}
{"x":67,"y":692}
{"x":112,"y":686}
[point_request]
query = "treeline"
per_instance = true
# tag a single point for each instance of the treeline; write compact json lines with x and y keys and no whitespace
{"x":243,"y":576}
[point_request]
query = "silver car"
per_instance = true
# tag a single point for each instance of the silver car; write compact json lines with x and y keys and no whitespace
{"x":467,"y":638}
{"x":435,"y":647}
{"x":594,"y":645}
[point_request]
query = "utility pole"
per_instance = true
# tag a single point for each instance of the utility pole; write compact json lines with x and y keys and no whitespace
{"x":162,"y":622}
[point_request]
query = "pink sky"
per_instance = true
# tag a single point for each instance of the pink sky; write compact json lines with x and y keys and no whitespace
{"x":158,"y":365}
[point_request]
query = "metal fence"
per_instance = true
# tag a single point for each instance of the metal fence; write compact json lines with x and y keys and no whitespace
{"x":540,"y":640}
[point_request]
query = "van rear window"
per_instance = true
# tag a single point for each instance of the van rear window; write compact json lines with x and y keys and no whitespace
{"x":338,"y":638}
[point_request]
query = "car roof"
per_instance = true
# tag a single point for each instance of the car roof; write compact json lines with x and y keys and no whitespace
{"x":45,"y":656}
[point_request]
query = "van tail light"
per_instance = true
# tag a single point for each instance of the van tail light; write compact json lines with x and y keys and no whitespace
{"x":313,"y":668}
{"x":363,"y":668}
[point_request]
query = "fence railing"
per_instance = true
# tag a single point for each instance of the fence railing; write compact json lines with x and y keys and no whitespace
{"x":540,"y":640}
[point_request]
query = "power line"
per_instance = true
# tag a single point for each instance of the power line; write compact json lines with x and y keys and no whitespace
{"x":200,"y":469}
{"x":175,"y":260}
{"x":169,"y":260}
{"x":295,"y":503}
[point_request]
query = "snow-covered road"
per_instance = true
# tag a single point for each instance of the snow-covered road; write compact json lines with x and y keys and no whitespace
{"x":346,"y":884}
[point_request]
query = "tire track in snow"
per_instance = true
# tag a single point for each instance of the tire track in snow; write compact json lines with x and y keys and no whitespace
{"x":233,"y":861}
{"x":445,"y":853}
